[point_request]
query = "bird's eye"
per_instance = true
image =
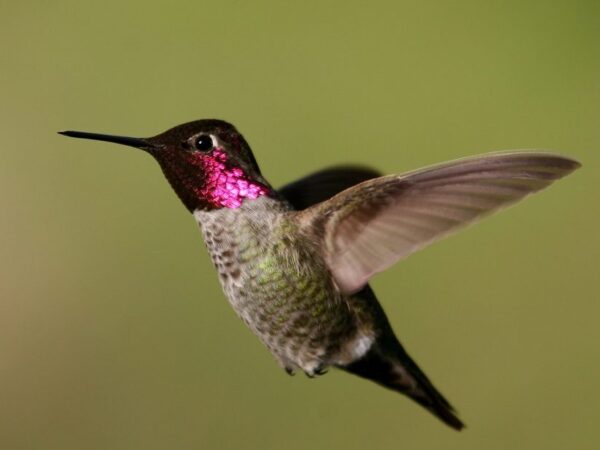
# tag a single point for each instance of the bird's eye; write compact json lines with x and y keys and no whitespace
{"x":204,"y":143}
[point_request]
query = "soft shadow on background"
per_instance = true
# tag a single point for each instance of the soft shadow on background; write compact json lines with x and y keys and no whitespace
{"x":114,"y":332}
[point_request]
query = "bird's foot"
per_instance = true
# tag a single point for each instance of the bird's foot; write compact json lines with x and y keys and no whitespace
{"x":317,"y":371}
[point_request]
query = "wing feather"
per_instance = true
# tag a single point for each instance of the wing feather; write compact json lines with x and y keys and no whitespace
{"x":370,"y":226}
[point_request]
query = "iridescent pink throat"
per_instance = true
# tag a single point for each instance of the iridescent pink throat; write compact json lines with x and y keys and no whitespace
{"x":225,"y":186}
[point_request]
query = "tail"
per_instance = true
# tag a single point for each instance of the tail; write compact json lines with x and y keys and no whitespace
{"x":397,"y":371}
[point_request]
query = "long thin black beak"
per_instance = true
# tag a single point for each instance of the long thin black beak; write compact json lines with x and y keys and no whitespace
{"x":124,"y":140}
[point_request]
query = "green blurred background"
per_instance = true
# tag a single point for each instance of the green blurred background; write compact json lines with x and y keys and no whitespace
{"x":114,"y":333}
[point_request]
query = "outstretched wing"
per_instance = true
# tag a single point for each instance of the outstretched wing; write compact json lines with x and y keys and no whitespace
{"x":368,"y":227}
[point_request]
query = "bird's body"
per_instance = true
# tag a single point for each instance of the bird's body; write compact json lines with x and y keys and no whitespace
{"x":274,"y":279}
{"x":278,"y":283}
{"x":295,"y":262}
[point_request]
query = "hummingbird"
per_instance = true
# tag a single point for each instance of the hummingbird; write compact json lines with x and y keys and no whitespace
{"x":295,"y":262}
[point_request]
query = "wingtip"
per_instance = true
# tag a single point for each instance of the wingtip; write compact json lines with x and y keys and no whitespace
{"x":561,"y":165}
{"x":576,"y":163}
{"x":559,"y":159}
{"x":565,"y":164}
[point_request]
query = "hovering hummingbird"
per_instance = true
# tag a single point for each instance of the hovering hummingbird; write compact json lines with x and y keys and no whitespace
{"x":295,"y":262}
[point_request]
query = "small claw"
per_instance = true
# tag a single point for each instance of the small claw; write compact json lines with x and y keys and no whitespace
{"x":320,"y":370}
{"x":289,"y":371}
{"x":317,"y":371}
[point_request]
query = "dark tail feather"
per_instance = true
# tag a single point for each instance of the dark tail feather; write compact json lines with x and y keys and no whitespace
{"x":397,"y":371}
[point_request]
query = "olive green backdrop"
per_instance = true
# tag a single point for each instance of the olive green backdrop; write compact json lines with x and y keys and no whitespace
{"x":114,"y":333}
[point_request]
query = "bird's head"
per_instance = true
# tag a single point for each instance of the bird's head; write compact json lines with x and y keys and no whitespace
{"x":208,"y":163}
